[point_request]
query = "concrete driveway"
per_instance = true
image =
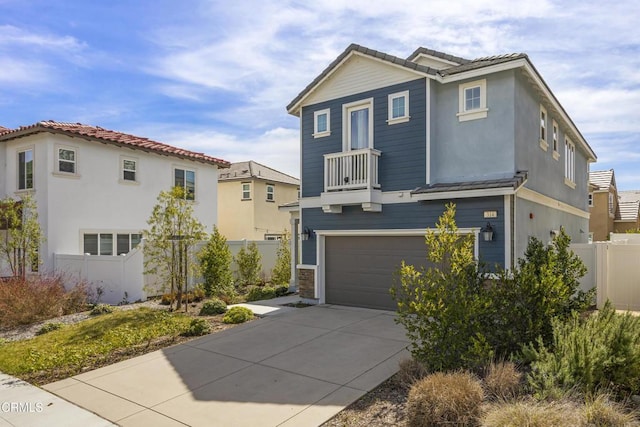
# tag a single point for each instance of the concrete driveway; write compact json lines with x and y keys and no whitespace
{"x":296,"y":368}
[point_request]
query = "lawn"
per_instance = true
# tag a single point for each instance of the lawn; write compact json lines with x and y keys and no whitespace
{"x":91,"y":343}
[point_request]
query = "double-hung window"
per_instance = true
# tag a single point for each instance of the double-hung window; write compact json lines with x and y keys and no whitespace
{"x":612,"y":207}
{"x":271,"y":190}
{"x":358,"y":117}
{"x":186,"y":179}
{"x":590,"y":200}
{"x":25,"y":169}
{"x":543,"y":129}
{"x":555,"y":138}
{"x":472,"y":100}
{"x":98,"y":243}
{"x":398,"y":108}
{"x":569,"y":163}
{"x":66,"y":162}
{"x":321,"y":123}
{"x":129,"y":169}
{"x":246,"y":191}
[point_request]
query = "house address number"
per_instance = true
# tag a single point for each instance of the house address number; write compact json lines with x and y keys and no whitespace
{"x":491,"y":214}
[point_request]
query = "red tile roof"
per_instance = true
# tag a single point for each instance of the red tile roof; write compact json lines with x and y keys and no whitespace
{"x":97,"y":133}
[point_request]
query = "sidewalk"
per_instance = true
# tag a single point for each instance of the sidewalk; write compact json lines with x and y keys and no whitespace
{"x":22,"y":404}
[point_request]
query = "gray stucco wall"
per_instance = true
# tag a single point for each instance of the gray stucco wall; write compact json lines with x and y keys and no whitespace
{"x":469,"y":213}
{"x":475,"y":149}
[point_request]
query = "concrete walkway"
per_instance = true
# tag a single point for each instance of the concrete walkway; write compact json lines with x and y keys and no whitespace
{"x":294,"y":367}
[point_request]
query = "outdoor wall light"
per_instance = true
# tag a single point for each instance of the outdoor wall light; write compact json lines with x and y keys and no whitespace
{"x":307,"y":233}
{"x":487,"y":232}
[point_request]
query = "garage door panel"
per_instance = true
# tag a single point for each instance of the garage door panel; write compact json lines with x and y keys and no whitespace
{"x":360,"y":270}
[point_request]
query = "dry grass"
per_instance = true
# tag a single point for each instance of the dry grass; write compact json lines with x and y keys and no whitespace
{"x":24,"y":301}
{"x":503,"y":380}
{"x":409,"y":372}
{"x":533,"y":414}
{"x":600,"y":412}
{"x":445,"y":399}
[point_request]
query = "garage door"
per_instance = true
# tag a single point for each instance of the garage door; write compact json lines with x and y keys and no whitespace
{"x":359,"y":270}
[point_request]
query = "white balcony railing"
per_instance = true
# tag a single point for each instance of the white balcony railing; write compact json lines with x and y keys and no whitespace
{"x":351,"y":170}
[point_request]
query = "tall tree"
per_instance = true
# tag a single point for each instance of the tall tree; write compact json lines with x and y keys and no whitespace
{"x":172,"y":232}
{"x":23,"y":236}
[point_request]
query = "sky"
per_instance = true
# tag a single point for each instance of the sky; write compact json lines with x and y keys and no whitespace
{"x":215,"y":76}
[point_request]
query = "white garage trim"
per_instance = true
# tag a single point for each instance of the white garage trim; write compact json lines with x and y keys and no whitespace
{"x":322,"y":234}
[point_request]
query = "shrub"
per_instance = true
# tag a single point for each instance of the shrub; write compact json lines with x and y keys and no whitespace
{"x":249,"y":264}
{"x":281,"y":273}
{"x":198,"y":293}
{"x":600,"y":411}
{"x":49,"y":327}
{"x":167,"y":299}
{"x":257,"y":293}
{"x":99,"y":309}
{"x":281,"y":290}
{"x":237,"y":315}
{"x":410,"y":371}
{"x":502,"y":380}
{"x":533,"y":414}
{"x":213,"y":307}
{"x":602,"y":351}
{"x":215,"y":263}
{"x":445,"y":398}
{"x":197,"y":327}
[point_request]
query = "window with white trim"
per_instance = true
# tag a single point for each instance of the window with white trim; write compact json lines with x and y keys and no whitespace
{"x":555,"y":138}
{"x":358,"y":132}
{"x":569,"y":162}
{"x":129,"y":170}
{"x":322,"y":123}
{"x":126,"y":242}
{"x":398,"y":108}
{"x":271,"y":193}
{"x":590,"y":200}
{"x":543,"y":129}
{"x":472,"y":100}
{"x":66,"y":160}
{"x":273,"y":237}
{"x":246,"y":191}
{"x":185,"y":179}
{"x":110,"y":243}
{"x":25,"y":169}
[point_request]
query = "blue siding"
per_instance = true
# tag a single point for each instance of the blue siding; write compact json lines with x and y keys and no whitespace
{"x":469,"y":213}
{"x":403,"y":146}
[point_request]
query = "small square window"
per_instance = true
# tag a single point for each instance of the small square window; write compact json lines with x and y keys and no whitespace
{"x":128,"y":170}
{"x":246,"y":191}
{"x":321,"y":123}
{"x":472,"y":100}
{"x":67,"y":160}
{"x":270,"y":192}
{"x":398,"y":108}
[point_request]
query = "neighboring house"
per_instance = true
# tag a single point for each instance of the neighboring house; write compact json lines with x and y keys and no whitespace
{"x":248,"y":197}
{"x":603,"y":204}
{"x":95,"y":188}
{"x":387,"y":142}
{"x":629,"y":211}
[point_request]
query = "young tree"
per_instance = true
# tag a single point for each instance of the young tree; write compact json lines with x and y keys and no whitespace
{"x":281,"y":273}
{"x":249,"y":264}
{"x":215,"y":263}
{"x":23,"y":236}
{"x":172,"y":233}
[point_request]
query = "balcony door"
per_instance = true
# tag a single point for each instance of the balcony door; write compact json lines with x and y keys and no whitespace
{"x":359,"y":125}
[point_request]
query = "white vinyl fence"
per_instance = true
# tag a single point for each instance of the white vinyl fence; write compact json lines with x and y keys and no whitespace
{"x":614,"y":269}
{"x":122,"y":278}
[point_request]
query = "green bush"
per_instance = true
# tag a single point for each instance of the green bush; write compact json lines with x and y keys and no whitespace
{"x":445,"y":399}
{"x":281,"y":273}
{"x":257,"y":293}
{"x":213,"y":307}
{"x":281,"y":290}
{"x":249,"y":264}
{"x":237,"y":315}
{"x":49,"y":327}
{"x":99,"y":309}
{"x":197,"y":327}
{"x":602,"y":351}
{"x":215,"y":263}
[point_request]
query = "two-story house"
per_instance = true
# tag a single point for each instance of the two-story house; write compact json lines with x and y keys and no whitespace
{"x":629,"y":211}
{"x":95,"y":188}
{"x":603,"y":204}
{"x":386,"y":142}
{"x":248,"y":197}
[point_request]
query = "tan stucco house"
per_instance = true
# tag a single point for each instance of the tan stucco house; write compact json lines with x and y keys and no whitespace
{"x":629,"y":211}
{"x":249,"y":194}
{"x":603,"y":204}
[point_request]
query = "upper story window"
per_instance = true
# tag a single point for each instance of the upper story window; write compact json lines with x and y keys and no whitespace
{"x":186,"y":179}
{"x":398,"y":108}
{"x":472,"y":100}
{"x":612,"y":207}
{"x":129,"y":170}
{"x":246,"y":191}
{"x":66,"y":162}
{"x":25,"y":169}
{"x":321,"y":123}
{"x":555,"y":138}
{"x":358,"y":131}
{"x":569,"y":163}
{"x":543,"y":129}
{"x":271,"y":192}
{"x":590,"y":200}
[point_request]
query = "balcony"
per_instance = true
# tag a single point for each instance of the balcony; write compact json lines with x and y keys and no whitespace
{"x":351,"y":178}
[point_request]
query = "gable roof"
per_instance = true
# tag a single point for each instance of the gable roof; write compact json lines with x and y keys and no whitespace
{"x":430,"y":52}
{"x":602,"y":180}
{"x":96,"y":133}
{"x":628,"y":211}
{"x":255,"y":170}
{"x":629,"y":196}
